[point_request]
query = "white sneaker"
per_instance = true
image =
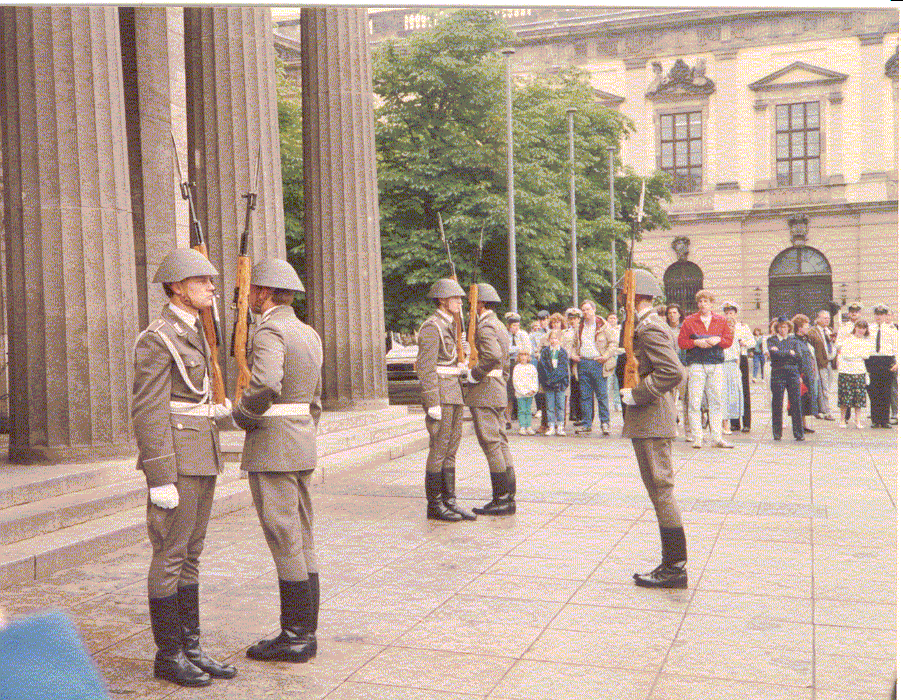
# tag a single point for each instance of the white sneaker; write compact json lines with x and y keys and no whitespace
{"x":522,"y":431}
{"x":530,"y":431}
{"x":559,"y":430}
{"x":605,"y":430}
{"x":720,"y":442}
{"x":688,"y":438}
{"x":697,"y":443}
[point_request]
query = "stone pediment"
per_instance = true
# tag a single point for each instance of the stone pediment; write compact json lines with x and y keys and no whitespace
{"x":680,"y":83}
{"x":607,"y":99}
{"x":798,"y":75}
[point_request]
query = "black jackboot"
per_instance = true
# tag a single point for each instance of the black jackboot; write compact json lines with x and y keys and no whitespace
{"x":189,"y":615}
{"x":672,"y":572}
{"x":436,"y":509}
{"x":170,"y":663}
{"x":448,"y":495}
{"x":502,"y":502}
{"x":297,"y":642}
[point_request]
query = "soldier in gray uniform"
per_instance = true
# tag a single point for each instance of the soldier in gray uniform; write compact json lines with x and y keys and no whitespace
{"x":486,"y":394}
{"x":280,"y":410}
{"x":440,"y":382}
{"x":174,"y":421}
{"x":650,"y":422}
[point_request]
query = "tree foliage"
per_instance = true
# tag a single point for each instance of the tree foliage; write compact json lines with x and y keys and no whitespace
{"x":441,"y":149}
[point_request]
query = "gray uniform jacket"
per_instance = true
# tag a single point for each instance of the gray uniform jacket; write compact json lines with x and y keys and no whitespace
{"x":171,"y":443}
{"x":492,"y":370}
{"x":437,"y":356}
{"x":286,"y":361}
{"x":660,"y":371}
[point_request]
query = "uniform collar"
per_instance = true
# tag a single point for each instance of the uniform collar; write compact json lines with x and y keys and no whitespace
{"x":184,"y":316}
{"x":442,"y":314}
{"x":645,"y":313}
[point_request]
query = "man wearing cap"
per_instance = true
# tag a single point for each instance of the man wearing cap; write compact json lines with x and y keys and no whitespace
{"x":651,"y":424}
{"x":882,"y":366}
{"x":443,"y":400}
{"x":178,"y":444}
{"x":484,"y":393}
{"x":279,"y":410}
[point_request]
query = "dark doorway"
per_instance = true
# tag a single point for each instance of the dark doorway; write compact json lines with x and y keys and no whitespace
{"x":799,"y":282}
{"x":682,"y":280}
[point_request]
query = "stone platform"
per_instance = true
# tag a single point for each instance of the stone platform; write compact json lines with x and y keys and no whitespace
{"x":792,"y":582}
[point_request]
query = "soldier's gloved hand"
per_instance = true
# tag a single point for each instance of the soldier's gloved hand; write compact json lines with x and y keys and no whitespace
{"x":434,"y":412}
{"x":620,"y":351}
{"x":469,"y":378}
{"x":164,"y":496}
{"x":466,"y":347}
{"x":222,"y":410}
{"x":627,"y":397}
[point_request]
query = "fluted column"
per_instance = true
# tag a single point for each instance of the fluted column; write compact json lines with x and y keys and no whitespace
{"x":341,"y":213}
{"x":231,"y":104}
{"x":70,"y":256}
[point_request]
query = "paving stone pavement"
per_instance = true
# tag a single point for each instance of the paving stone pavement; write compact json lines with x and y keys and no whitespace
{"x":792,"y":581}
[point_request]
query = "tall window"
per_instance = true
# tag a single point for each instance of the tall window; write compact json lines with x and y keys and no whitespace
{"x":798,"y":141}
{"x":680,"y":140}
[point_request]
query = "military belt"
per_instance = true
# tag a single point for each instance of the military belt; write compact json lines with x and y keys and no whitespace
{"x":287,"y":410}
{"x":494,"y":373}
{"x":443,"y":369}
{"x":185,"y":408}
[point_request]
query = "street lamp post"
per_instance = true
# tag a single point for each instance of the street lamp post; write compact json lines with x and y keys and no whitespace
{"x":571,"y":111}
{"x":512,"y":240}
{"x":611,"y":213}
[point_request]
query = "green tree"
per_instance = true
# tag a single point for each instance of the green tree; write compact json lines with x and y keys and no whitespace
{"x":441,"y":149}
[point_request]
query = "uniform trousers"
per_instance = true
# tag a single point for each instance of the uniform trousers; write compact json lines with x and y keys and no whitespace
{"x":177,"y":536}
{"x":286,"y":515}
{"x":489,"y":424}
{"x":880,"y":381}
{"x":683,"y":401}
{"x":708,"y":380}
{"x":445,"y":437}
{"x":654,"y":458}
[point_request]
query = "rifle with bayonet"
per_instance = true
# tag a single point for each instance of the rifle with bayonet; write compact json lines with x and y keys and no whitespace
{"x":242,"y":290}
{"x":209,"y":317}
{"x":472,"y":306}
{"x":454,"y":275}
{"x":631,"y":368}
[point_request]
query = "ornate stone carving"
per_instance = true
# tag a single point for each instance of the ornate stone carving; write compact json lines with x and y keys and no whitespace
{"x":681,"y":81}
{"x":681,"y":246}
{"x":799,"y":230}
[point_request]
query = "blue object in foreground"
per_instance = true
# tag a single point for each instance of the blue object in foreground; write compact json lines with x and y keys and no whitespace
{"x":42,"y":658}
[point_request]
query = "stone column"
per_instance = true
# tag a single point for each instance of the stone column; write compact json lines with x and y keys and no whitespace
{"x":70,"y":255}
{"x":341,"y":214}
{"x":231,"y":104}
{"x":153,"y":50}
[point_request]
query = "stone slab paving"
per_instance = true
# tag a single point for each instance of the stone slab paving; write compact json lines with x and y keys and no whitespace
{"x":792,"y":569}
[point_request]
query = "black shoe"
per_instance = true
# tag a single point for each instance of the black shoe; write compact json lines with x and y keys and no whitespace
{"x":799,"y":438}
{"x":170,"y":662}
{"x":189,"y":615}
{"x":436,"y":509}
{"x":744,"y":430}
{"x":502,"y":502}
{"x":808,"y":430}
{"x":292,"y":645}
{"x":448,"y":496}
{"x":663,"y":576}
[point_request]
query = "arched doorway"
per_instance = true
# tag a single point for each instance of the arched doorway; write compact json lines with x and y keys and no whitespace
{"x":682,"y":280}
{"x":799,"y":282}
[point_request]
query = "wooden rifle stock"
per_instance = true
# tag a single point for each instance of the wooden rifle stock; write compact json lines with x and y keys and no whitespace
{"x":459,"y":341}
{"x":472,"y":326}
{"x":631,"y":371}
{"x":242,"y":291}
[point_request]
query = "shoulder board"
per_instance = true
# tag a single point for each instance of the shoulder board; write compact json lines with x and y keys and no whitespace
{"x":156,"y":325}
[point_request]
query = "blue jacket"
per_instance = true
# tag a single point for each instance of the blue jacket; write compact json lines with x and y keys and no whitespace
{"x":779,"y":353}
{"x":553,"y":378}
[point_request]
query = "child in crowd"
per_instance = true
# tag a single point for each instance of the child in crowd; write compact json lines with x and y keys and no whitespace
{"x":526,"y":383}
{"x":553,"y":377}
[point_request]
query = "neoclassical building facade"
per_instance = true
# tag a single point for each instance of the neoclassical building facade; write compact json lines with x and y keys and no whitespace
{"x":779,"y":128}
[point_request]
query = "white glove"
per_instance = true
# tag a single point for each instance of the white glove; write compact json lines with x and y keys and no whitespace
{"x":222,"y":410}
{"x":627,"y":397}
{"x":164,"y":496}
{"x":434,"y":412}
{"x":620,"y":351}
{"x":466,"y":346}
{"x":469,"y":378}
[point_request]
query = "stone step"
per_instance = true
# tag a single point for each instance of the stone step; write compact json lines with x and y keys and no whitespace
{"x":44,"y":554}
{"x":58,"y":512}
{"x":34,"y":483}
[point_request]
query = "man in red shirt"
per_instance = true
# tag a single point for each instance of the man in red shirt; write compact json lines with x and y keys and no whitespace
{"x":705,"y":335}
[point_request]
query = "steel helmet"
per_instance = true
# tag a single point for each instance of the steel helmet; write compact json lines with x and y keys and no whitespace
{"x":646,"y":284}
{"x":445,"y":288}
{"x":486,"y":293}
{"x":277,"y":274}
{"x":183,"y":263}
